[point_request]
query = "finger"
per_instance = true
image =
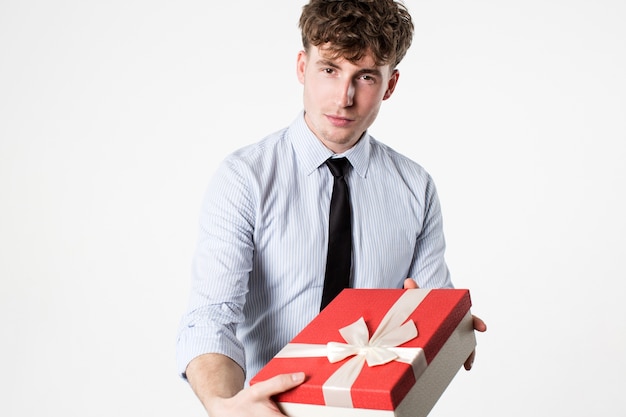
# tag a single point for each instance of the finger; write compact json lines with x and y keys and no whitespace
{"x":470,"y":361}
{"x":479,"y":325}
{"x":278,"y":384}
{"x":410,"y":283}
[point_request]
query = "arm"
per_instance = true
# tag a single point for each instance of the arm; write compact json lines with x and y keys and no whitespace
{"x":218,"y":381}
{"x":210,"y":355}
{"x":220,"y":269}
{"x":213,"y":376}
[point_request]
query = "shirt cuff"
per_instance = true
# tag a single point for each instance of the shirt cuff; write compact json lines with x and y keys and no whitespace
{"x":193,"y":342}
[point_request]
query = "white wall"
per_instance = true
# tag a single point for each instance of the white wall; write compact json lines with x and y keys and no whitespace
{"x":113,"y":116}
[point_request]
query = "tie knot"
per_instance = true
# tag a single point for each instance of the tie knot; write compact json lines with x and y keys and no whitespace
{"x":338,"y":166}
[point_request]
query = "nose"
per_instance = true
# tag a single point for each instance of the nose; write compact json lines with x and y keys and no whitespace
{"x":345,"y":94}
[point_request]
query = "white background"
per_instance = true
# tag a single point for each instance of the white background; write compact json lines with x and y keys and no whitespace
{"x":114,"y":115}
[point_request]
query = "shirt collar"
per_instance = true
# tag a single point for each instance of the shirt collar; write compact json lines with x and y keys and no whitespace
{"x":312,"y":153}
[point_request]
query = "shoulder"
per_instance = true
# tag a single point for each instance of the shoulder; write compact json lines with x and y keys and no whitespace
{"x":240,"y":176}
{"x":385,"y":159}
{"x":265,"y":150}
{"x":258,"y":160}
{"x":255,"y":166}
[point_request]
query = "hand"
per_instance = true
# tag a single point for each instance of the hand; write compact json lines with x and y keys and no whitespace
{"x":479,"y":325}
{"x":410,"y":284}
{"x":256,"y":401}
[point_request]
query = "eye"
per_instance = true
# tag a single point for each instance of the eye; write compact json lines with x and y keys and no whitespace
{"x":370,"y":79}
{"x":328,"y":71}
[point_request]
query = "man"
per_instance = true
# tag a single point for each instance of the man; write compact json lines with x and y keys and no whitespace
{"x":259,"y":269}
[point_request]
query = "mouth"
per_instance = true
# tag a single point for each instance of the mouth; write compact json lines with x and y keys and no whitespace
{"x":339,"y":121}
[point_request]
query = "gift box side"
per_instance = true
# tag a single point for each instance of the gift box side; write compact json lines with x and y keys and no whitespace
{"x":306,"y":410}
{"x":440,"y":372}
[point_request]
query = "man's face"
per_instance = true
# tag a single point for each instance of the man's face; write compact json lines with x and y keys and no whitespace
{"x":342,"y":98}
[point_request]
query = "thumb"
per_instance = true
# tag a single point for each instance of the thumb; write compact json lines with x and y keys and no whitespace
{"x":278,"y":384}
{"x":410,"y":283}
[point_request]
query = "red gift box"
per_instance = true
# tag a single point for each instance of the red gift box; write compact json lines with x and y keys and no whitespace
{"x":377,"y":352}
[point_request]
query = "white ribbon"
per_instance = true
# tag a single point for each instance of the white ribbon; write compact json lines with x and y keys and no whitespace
{"x":380,"y":349}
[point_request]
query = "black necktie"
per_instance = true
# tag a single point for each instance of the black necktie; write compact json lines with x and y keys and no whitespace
{"x":339,"y":258}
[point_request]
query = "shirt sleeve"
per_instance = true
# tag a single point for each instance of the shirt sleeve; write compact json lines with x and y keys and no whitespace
{"x":428,"y":266}
{"x":221,"y":266}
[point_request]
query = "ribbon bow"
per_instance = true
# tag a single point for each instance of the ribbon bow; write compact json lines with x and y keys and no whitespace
{"x":378,"y":350}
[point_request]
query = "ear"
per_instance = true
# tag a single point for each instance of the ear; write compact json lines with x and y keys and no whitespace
{"x":391,"y":84}
{"x":301,"y":65}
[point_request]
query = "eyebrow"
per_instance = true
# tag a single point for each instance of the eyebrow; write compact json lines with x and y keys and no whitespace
{"x":329,"y":63}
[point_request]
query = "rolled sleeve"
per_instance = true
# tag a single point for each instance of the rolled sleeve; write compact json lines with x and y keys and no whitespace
{"x":208,"y":330}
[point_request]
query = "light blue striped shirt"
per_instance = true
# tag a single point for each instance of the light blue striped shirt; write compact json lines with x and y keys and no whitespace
{"x":258,"y":271}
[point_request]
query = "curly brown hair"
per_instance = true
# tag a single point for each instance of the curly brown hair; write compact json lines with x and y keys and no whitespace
{"x":352,"y":28}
